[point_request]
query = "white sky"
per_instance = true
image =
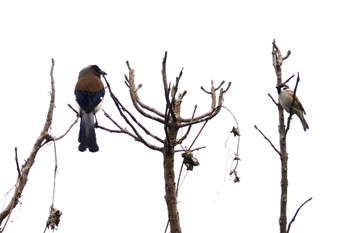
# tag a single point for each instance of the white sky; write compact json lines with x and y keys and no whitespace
{"x":121,"y":188}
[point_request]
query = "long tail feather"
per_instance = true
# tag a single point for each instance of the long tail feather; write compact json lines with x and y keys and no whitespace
{"x":303,"y":121}
{"x":87,"y":135}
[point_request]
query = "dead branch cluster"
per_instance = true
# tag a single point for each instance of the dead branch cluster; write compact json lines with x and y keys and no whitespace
{"x":170,"y":117}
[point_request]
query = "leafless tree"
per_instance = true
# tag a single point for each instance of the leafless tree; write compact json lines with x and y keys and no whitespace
{"x":170,"y":120}
{"x":277,"y":60}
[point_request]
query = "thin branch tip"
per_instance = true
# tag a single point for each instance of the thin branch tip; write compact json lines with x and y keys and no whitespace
{"x":165,"y":57}
{"x":128,"y":65}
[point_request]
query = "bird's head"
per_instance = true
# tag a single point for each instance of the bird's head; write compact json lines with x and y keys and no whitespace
{"x":92,"y":69}
{"x":281,"y":87}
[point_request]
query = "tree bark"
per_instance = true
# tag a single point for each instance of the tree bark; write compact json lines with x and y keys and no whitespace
{"x":170,"y":191}
{"x":169,"y":175}
{"x":277,"y":59}
{"x":284,"y":172}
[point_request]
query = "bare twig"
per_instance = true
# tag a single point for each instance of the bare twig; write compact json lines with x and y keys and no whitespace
{"x":285,"y":82}
{"x":126,"y":131}
{"x":67,"y":131}
{"x":197,"y":148}
{"x":70,"y":106}
{"x":214,"y":109}
{"x":200,"y":131}
{"x":188,"y":129}
{"x":296,"y":213}
{"x":278,"y":152}
{"x":205,"y":117}
{"x":288,"y":53}
{"x":138,"y":104}
{"x":17,"y":164}
{"x":136,"y":134}
{"x":291,"y":107}
{"x":273,"y":100}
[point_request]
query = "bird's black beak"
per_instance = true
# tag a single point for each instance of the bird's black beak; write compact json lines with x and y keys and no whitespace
{"x":279,"y":86}
{"x":103,"y":73}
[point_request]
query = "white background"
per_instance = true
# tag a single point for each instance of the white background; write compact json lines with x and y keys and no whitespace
{"x":121,"y":188}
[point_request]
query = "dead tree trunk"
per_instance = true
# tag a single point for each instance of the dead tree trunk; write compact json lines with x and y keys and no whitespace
{"x":170,"y":189}
{"x":171,"y":121}
{"x":277,"y":63}
{"x":278,"y":59}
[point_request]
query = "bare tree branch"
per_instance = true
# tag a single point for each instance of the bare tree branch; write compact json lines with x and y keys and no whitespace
{"x":70,"y":106}
{"x":136,"y":100}
{"x":296,"y":213}
{"x":197,"y":148}
{"x":273,"y":100}
{"x":291,"y":107}
{"x":67,"y":131}
{"x":17,"y":164}
{"x":285,"y":82}
{"x":121,"y":110}
{"x":267,"y":139}
{"x":213,"y":109}
{"x":169,"y":94}
{"x":188,"y":129}
{"x":44,"y":135}
{"x":135,"y":136}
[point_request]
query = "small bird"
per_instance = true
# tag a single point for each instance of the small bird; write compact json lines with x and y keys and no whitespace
{"x":286,"y":99}
{"x":89,"y":92}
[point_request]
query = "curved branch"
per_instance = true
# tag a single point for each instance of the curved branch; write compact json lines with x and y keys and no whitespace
{"x":296,"y":213}
{"x":202,"y":118}
{"x":67,"y":131}
{"x":136,"y":100}
{"x":213,"y":109}
{"x":136,"y":134}
{"x":267,"y":139}
{"x":189,"y":128}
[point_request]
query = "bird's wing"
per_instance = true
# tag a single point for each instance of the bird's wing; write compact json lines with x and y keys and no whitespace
{"x":89,"y":92}
{"x":297,"y":103}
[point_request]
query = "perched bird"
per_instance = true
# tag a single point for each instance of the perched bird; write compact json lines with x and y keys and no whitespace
{"x":89,"y":92}
{"x":286,"y":99}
